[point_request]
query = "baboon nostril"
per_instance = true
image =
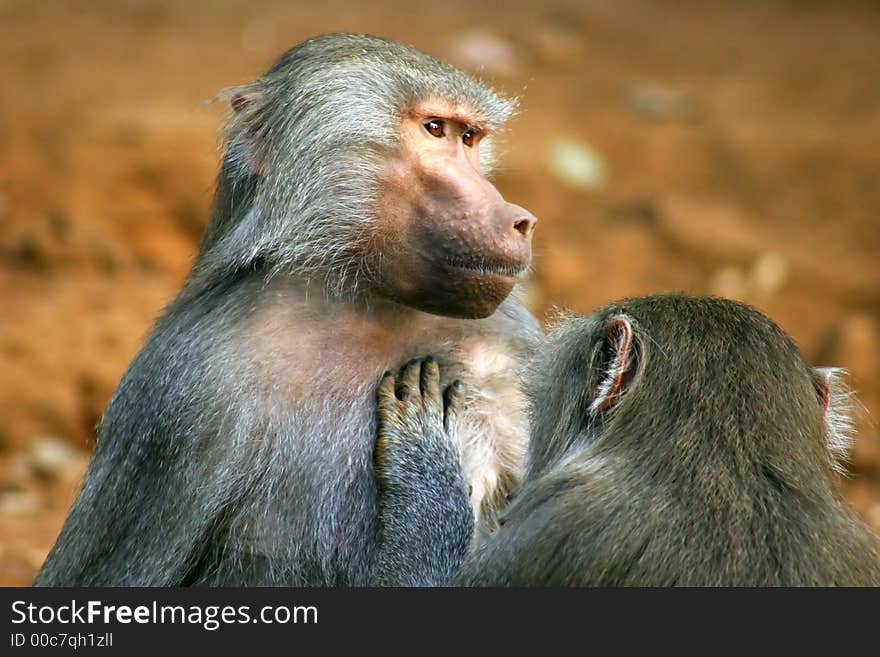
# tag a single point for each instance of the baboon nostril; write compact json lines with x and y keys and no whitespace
{"x":524,"y":226}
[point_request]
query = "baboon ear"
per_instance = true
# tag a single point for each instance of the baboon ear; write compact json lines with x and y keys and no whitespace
{"x":243,"y":105}
{"x":619,"y":361}
{"x":830,"y":387}
{"x":836,"y":402}
{"x":241,"y":101}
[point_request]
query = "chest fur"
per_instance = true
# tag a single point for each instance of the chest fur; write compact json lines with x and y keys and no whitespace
{"x":496,"y":430}
{"x":335,"y":408}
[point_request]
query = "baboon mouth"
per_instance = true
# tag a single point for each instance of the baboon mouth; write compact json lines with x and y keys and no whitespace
{"x":488,"y":267}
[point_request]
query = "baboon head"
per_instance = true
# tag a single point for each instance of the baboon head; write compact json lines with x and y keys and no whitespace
{"x":361,"y":163}
{"x":684,"y":385}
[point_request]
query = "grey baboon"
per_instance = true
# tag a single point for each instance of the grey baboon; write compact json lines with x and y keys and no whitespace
{"x":353,"y":227}
{"x":675,"y":441}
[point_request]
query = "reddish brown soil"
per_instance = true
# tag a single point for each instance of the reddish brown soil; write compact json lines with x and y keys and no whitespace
{"x":741,"y":143}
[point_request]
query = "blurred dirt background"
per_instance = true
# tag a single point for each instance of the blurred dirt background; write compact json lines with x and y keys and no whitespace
{"x":725,"y":148}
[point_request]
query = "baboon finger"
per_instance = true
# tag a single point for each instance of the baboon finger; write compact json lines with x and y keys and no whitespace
{"x":385,"y":395}
{"x":430,"y":383}
{"x":453,"y":404}
{"x":408,"y":385}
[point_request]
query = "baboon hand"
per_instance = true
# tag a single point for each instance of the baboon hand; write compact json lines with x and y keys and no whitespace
{"x":416,"y":423}
{"x":427,"y":520}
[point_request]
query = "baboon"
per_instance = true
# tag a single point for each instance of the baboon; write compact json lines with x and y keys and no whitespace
{"x":353,"y":226}
{"x":675,"y":440}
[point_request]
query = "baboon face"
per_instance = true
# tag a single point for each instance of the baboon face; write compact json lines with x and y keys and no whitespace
{"x":450,"y":244}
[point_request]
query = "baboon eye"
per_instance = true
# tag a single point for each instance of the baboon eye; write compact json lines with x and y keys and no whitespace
{"x":435,"y":128}
{"x":468,"y":137}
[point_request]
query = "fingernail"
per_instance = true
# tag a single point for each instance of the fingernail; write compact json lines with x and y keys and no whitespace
{"x":387,"y":374}
{"x":430,"y":359}
{"x":458,"y":384}
{"x":413,"y":361}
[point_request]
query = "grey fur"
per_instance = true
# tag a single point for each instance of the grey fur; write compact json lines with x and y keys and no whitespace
{"x":237,"y":448}
{"x":712,"y":469}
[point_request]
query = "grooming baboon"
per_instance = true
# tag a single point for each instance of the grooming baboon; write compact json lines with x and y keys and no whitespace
{"x":675,"y":441}
{"x":353,"y":227}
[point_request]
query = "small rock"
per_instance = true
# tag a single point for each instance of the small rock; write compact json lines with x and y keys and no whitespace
{"x":485,"y":51}
{"x":729,"y":283}
{"x":576,"y":164}
{"x":18,"y":501}
{"x":769,"y":273}
{"x":51,"y":457}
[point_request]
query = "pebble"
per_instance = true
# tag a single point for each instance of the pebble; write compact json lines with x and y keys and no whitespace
{"x":769,"y":273}
{"x":730,"y":283}
{"x":485,"y":51}
{"x":575,"y":164}
{"x":19,"y":501}
{"x":50,"y":457}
